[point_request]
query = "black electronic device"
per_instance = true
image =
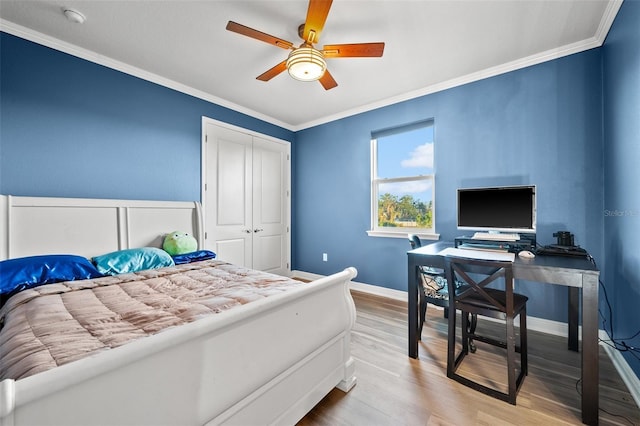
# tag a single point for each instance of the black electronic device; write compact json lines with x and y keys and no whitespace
{"x":509,"y":209}
{"x":526,"y":242}
{"x":559,"y":250}
{"x":564,"y":247}
{"x":565,"y":238}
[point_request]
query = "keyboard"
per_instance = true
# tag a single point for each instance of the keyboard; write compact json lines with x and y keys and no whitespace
{"x":478,"y":254}
{"x":495,"y":237}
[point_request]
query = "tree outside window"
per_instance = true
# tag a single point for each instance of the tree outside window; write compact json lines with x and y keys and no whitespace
{"x":402,"y":180}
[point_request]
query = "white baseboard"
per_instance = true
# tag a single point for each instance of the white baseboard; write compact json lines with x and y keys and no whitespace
{"x":536,"y":324}
{"x":364,"y":288}
{"x":622,"y":367}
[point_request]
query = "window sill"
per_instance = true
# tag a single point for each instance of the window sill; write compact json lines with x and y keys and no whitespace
{"x":395,"y":234}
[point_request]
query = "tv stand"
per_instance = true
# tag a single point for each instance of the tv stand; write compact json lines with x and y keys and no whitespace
{"x":526,"y":242}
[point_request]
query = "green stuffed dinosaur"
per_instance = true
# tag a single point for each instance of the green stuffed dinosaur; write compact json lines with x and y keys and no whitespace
{"x":178,"y":242}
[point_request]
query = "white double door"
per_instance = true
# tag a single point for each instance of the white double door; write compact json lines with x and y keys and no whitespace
{"x":246,"y":198}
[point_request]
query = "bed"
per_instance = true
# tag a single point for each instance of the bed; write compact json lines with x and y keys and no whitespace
{"x":264,"y":362}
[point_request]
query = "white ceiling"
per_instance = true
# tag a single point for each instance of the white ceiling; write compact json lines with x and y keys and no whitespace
{"x":430,"y":45}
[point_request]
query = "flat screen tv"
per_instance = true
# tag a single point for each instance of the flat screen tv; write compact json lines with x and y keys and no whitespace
{"x":498,"y":209}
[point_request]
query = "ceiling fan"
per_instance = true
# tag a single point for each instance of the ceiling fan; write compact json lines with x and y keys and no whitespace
{"x":305,"y":62}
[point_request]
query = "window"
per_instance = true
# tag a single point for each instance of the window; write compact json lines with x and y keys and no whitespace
{"x":402,"y":181}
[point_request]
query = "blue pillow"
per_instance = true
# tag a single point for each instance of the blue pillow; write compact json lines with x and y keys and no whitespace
{"x":26,"y":272}
{"x":132,"y":260}
{"x":194,"y":256}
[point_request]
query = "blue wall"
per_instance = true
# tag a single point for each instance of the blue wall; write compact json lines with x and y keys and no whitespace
{"x":72,"y":128}
{"x":621,"y":65}
{"x":541,"y":125}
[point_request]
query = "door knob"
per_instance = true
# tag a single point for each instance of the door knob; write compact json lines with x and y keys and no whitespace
{"x":248,"y":231}
{"x":258,"y":230}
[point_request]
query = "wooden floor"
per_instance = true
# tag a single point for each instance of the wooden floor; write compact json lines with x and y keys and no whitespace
{"x":394,"y":389}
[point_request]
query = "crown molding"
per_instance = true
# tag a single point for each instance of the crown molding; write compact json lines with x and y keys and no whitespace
{"x":91,"y":56}
{"x":610,"y":13}
{"x":596,"y":41}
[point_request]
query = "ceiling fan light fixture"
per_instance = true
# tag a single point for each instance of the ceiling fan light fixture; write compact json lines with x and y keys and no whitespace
{"x":306,"y":64}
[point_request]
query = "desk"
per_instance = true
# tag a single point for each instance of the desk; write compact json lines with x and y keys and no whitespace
{"x":574,"y":273}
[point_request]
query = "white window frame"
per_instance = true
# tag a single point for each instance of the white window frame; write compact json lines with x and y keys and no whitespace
{"x":392,"y":232}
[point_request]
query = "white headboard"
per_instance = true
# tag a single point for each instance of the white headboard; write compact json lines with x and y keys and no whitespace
{"x":89,"y":227}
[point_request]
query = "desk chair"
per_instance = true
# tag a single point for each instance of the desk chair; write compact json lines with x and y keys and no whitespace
{"x":433,"y":288}
{"x":478,"y":299}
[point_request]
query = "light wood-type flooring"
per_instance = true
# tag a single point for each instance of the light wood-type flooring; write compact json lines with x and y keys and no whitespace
{"x":393,"y":389}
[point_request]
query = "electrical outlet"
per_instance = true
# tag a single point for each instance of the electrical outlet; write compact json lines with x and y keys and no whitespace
{"x":324,"y":257}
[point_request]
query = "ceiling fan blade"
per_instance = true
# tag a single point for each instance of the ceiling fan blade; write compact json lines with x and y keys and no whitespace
{"x":353,"y":50}
{"x":258,"y":35}
{"x":269,"y":74}
{"x":316,"y":17}
{"x":327,"y":81}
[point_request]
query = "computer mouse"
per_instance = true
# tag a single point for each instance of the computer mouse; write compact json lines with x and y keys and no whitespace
{"x":526,"y":254}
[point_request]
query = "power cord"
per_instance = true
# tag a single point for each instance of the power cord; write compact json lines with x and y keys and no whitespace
{"x":602,"y":409}
{"x":617,"y":344}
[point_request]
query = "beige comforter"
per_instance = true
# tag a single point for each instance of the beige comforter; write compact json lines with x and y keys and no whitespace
{"x":55,"y":324}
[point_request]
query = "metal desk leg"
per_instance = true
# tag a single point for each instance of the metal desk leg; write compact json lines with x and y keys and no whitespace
{"x":590,"y":362}
{"x":412,"y":286}
{"x":574,"y":296}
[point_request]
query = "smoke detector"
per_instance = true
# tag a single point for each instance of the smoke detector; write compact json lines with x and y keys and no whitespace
{"x":74,"y":16}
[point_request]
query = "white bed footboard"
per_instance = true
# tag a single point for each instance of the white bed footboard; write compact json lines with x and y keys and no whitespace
{"x":266,"y":362}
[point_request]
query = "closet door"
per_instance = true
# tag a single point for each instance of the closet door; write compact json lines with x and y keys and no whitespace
{"x":269,"y":201}
{"x":246,"y":199}
{"x":228,"y":195}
